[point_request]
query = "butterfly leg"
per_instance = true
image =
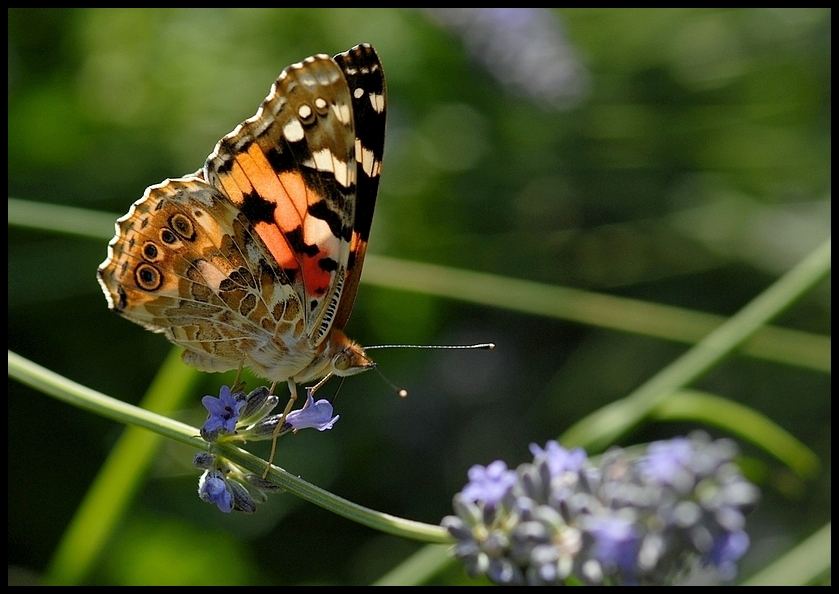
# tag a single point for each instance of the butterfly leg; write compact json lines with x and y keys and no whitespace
{"x":292,"y":389}
{"x":317,"y":386}
{"x":236,"y":387}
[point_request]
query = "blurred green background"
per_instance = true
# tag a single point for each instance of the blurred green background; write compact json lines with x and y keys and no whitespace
{"x":680,"y":157}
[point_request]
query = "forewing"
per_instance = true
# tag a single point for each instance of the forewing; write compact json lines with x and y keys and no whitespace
{"x":365,"y":78}
{"x":291,"y":171}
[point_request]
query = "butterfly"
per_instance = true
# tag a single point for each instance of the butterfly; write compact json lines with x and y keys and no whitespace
{"x":255,"y":259}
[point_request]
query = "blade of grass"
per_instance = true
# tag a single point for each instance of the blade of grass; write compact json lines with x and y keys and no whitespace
{"x":745,"y":422}
{"x":609,"y":423}
{"x":67,"y":220}
{"x":418,"y":568}
{"x":113,"y":490}
{"x":121,"y":476}
{"x":781,"y":345}
{"x":801,"y":566}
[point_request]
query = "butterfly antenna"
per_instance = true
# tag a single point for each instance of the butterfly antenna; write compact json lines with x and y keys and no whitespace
{"x":487,"y":346}
{"x":337,"y":390}
{"x":401,"y":391}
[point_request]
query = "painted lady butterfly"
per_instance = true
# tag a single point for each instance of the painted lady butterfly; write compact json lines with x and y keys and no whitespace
{"x":255,"y":259}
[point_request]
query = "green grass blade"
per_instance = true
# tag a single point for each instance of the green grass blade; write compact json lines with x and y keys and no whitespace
{"x":781,"y":345}
{"x":741,"y":421}
{"x":803,"y":565}
{"x":606,"y":425}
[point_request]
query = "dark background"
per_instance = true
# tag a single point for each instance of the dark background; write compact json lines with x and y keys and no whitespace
{"x":680,"y":157}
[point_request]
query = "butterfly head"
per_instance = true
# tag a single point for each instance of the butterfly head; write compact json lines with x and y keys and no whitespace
{"x":346,"y":356}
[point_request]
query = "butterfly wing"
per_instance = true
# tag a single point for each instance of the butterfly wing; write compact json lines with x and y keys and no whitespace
{"x":186,"y":263}
{"x":365,"y":79}
{"x":255,"y":257}
{"x":291,"y":170}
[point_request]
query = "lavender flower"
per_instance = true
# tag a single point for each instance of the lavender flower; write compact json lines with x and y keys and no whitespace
{"x":489,"y":484}
{"x":212,"y":488}
{"x":558,"y":459}
{"x":224,"y":413}
{"x":227,"y":486}
{"x":617,"y":541}
{"x":623,"y":521}
{"x":526,"y":49}
{"x":315,"y":415}
{"x":244,"y":417}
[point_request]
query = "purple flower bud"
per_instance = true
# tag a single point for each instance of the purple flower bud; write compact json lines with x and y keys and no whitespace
{"x":212,"y":488}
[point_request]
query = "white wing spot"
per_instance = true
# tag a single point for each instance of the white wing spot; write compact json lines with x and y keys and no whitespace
{"x":304,"y":112}
{"x":320,"y":103}
{"x":377,"y":100}
{"x":212,"y":275}
{"x":324,"y":160}
{"x":307,"y":80}
{"x":358,"y":93}
{"x":293,"y":130}
{"x":369,"y":164}
{"x":327,"y":77}
{"x":343,"y":113}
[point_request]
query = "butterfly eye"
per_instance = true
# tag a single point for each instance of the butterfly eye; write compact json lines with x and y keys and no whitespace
{"x":341,"y":361}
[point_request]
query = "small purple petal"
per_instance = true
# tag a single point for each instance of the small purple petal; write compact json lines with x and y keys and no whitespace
{"x":728,"y":548}
{"x":558,"y":459}
{"x":315,"y":415}
{"x":665,"y":457}
{"x":668,"y":462}
{"x":489,"y":484}
{"x":224,"y":411}
{"x":617,"y":542}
